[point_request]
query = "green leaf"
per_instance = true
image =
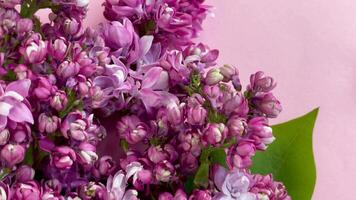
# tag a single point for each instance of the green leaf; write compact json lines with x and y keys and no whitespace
{"x":201,"y":178}
{"x":290,"y":158}
{"x":218,"y":156}
{"x":29,"y":156}
{"x":189,"y":185}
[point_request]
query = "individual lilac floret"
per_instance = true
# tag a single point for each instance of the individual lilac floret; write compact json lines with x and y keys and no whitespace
{"x":233,"y":185}
{"x":13,"y":105}
{"x":48,"y":124}
{"x":12,"y":154}
{"x":266,"y":188}
{"x":116,"y":187}
{"x":260,"y":133}
{"x":63,"y":157}
{"x":240,"y":155}
{"x":34,"y":49}
{"x":179,"y":195}
{"x":268,"y":104}
{"x":25,"y":173}
{"x":9,"y":3}
{"x":29,"y":190}
{"x":214,"y":134}
{"x":132,"y":129}
{"x":259,"y":82}
{"x":201,"y":195}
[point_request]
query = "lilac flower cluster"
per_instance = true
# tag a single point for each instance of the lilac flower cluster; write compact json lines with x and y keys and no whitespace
{"x":140,"y":77}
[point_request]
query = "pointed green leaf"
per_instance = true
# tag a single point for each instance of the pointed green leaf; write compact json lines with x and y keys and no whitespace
{"x":218,"y":156}
{"x":290,"y":158}
{"x":201,"y":178}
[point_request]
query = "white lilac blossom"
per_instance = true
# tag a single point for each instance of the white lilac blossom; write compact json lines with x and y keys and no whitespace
{"x":127,"y":110}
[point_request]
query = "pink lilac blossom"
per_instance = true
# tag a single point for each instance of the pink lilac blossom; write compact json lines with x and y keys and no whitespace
{"x":140,"y":79}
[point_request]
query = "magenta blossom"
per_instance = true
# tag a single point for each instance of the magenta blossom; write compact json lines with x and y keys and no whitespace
{"x":34,"y":49}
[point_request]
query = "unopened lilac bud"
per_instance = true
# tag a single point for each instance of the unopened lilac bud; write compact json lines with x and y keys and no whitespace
{"x":132,"y":129}
{"x":104,"y":167}
{"x":92,"y":190}
{"x":25,"y":173}
{"x":144,"y":176}
{"x":51,"y":195}
{"x":53,"y":185}
{"x":236,"y":126}
{"x":77,"y":130}
{"x":260,"y":133}
{"x":165,"y":196}
{"x":240,"y":155}
{"x":59,"y":100}
{"x":214,"y":134}
{"x":236,"y":105}
{"x":24,"y":25}
{"x":213,"y":77}
{"x":34,"y":49}
{"x":156,"y":154}
{"x":26,"y":191}
{"x":188,"y":162}
{"x":4,"y":136}
{"x":118,"y":35}
{"x":9,"y":3}
{"x":63,"y":157}
{"x":171,"y":152}
{"x":21,"y":135}
{"x":212,"y":91}
{"x":259,"y":82}
{"x":228,"y":72}
{"x":58,"y":49}
{"x":72,"y":27}
{"x":201,"y":195}
{"x":164,"y":171}
{"x":268,"y":104}
{"x":43,"y":89}
{"x":196,"y":115}
{"x":68,"y":69}
{"x":48,"y":124}
{"x":180,"y":195}
{"x":174,"y":113}
{"x":22,"y":72}
{"x":87,"y":154}
{"x":12,"y":154}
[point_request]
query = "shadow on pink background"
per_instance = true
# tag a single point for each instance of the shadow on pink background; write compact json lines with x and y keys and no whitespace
{"x":309,"y":46}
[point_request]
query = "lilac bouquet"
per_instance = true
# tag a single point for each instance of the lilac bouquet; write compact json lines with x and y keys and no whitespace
{"x":182,"y":127}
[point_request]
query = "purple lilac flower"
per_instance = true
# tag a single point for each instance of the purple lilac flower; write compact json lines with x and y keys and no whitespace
{"x":233,"y":185}
{"x":266,"y":188}
{"x":142,"y":70}
{"x":13,"y":103}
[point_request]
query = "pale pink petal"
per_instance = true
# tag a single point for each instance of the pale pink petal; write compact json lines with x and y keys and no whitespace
{"x":3,"y":122}
{"x":219,"y":176}
{"x":145,"y":44}
{"x":21,"y":86}
{"x":149,"y":98}
{"x":151,"y":77}
{"x":21,"y":113}
{"x":5,"y":108}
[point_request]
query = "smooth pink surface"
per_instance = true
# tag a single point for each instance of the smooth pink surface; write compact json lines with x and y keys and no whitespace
{"x":309,"y":46}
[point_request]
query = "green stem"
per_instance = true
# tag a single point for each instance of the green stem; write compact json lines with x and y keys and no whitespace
{"x":4,"y":172}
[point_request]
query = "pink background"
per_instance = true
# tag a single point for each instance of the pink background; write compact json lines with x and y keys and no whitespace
{"x":309,"y":46}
